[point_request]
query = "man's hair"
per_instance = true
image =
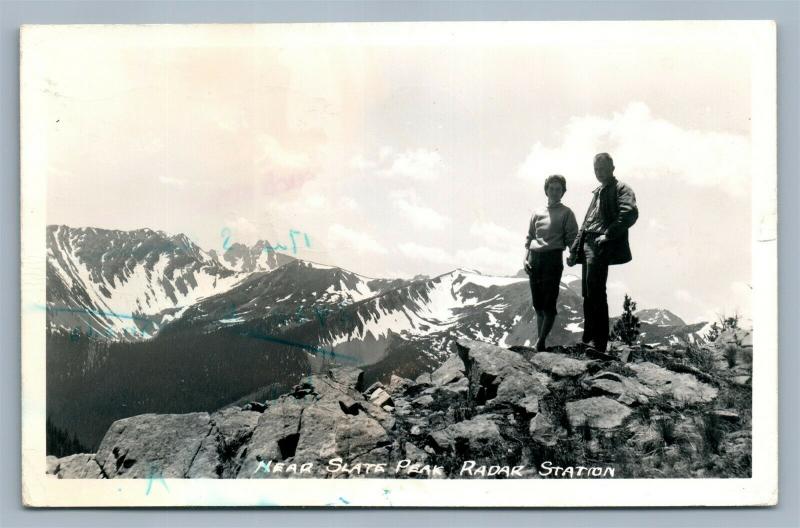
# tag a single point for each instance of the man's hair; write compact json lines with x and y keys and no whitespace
{"x":605,"y":157}
{"x":555,"y":178}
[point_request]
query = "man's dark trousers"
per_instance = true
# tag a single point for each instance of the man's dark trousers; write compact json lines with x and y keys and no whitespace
{"x":594,"y":275}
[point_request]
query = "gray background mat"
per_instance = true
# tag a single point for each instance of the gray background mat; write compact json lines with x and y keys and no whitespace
{"x":13,"y":14}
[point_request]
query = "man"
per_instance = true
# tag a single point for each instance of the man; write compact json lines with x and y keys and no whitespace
{"x":602,"y":241}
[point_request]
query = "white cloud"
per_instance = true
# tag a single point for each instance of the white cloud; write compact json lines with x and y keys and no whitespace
{"x":491,"y":261}
{"x":419,"y":215}
{"x":316,"y":201}
{"x":283,"y":167}
{"x":346,"y":239}
{"x":177,"y":182}
{"x":495,"y":235}
{"x":484,"y":259}
{"x":644,"y":146}
{"x":426,"y":253}
{"x":420,"y":165}
{"x":350,"y":203}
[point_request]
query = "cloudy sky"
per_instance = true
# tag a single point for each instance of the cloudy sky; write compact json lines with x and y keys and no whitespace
{"x":406,"y":149}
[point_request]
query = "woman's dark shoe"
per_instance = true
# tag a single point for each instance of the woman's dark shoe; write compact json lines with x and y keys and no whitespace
{"x":540,"y":346}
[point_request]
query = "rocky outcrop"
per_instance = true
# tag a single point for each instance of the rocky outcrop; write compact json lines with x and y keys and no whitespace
{"x":485,"y":404}
{"x":599,"y":412}
{"x":684,"y":389}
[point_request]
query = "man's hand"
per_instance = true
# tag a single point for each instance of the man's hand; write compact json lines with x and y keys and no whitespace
{"x":602,"y":239}
{"x":572,"y":259}
{"x":526,"y":266}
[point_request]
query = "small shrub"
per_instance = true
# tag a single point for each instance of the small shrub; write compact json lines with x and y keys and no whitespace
{"x":584,"y":431}
{"x":626,"y":328}
{"x":712,"y":433}
{"x":701,"y":357}
{"x":666,"y":428}
{"x":731,"y":351}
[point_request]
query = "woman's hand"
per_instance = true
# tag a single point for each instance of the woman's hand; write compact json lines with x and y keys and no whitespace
{"x":572,"y":259}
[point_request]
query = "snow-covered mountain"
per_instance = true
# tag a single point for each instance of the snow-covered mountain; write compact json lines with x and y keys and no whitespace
{"x":659,"y":317}
{"x":144,"y":283}
{"x":125,"y":284}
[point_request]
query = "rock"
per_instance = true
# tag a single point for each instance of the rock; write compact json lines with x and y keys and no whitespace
{"x":625,"y":353}
{"x":415,"y":454}
{"x":423,"y":401}
{"x":148,"y":444}
{"x":349,"y":405}
{"x":625,"y":389}
{"x":51,"y":465}
{"x":275,"y":436}
{"x":559,"y":364}
{"x":380,"y":398}
{"x":218,"y":456}
{"x":741,"y":381}
{"x":416,"y":430}
{"x":451,"y":370}
{"x":478,"y":436}
{"x":599,"y":355}
{"x":520,"y":390}
{"x":80,"y":466}
{"x":348,"y":376}
{"x":424,"y":379}
{"x":388,"y":408}
{"x":398,"y":385}
{"x":501,"y":375}
{"x":682,"y":388}
{"x":255,"y":407}
{"x":326,"y":432}
{"x":544,"y":432}
{"x":372,"y":388}
{"x":599,"y":412}
{"x":725,"y":414}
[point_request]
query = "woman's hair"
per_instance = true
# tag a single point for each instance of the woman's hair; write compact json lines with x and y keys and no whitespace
{"x":555,"y":178}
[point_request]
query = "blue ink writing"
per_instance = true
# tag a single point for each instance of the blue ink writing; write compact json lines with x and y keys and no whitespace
{"x":153,"y":475}
{"x":268,"y":248}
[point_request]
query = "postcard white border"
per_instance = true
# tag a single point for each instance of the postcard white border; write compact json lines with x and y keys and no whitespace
{"x":762,"y":489}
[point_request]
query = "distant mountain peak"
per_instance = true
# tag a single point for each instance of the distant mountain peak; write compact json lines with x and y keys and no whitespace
{"x":659,"y":317}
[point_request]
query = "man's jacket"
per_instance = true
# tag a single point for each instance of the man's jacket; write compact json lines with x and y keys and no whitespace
{"x":618,"y":212}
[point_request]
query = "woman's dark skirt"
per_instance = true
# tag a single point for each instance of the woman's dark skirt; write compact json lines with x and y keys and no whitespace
{"x":545,"y":279}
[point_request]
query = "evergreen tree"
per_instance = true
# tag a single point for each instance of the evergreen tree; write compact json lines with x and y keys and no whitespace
{"x":626,"y":328}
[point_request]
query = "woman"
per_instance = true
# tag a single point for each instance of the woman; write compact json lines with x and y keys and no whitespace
{"x":552,"y":229}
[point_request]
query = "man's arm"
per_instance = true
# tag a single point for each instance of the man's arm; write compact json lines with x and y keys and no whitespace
{"x":627,"y":215}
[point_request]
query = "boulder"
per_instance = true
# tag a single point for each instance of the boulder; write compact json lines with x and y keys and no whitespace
{"x":683,"y":388}
{"x":51,"y":465}
{"x":500,"y":377}
{"x":326,"y":432}
{"x":372,"y":388}
{"x":348,"y":376}
{"x":475,"y":437}
{"x":520,"y":390}
{"x":544,"y":431}
{"x":599,"y":412}
{"x":451,"y":370}
{"x":275,"y":436}
{"x":559,"y":364}
{"x":423,"y":379}
{"x":398,"y":385}
{"x":380,"y":398}
{"x":726,"y":414}
{"x":626,"y":390}
{"x":219,"y":454}
{"x":153,"y":444}
{"x":80,"y":466}
{"x":425,"y":400}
